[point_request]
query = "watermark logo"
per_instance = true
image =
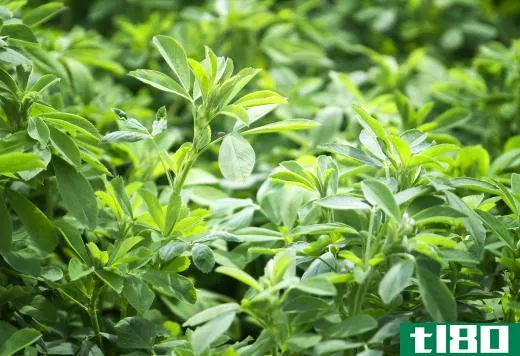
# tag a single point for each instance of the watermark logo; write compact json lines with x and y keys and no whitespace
{"x":459,"y":339}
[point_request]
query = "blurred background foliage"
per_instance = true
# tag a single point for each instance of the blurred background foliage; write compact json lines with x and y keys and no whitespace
{"x":317,"y":53}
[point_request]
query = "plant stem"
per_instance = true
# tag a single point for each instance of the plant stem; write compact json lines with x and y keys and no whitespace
{"x":163,"y":163}
{"x":454,"y":277}
{"x":180,"y":179}
{"x":361,"y":291}
{"x":92,"y":311}
{"x":371,"y":222}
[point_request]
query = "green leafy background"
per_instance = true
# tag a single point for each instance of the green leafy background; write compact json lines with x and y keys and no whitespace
{"x":254,"y":177}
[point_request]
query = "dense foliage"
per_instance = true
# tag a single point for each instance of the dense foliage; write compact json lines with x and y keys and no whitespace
{"x":255,"y":177}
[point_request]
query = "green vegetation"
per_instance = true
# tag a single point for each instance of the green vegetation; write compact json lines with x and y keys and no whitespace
{"x":255,"y":177}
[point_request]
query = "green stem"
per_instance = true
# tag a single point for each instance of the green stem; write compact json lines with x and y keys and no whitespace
{"x":368,"y":251}
{"x":163,"y":163}
{"x":180,"y":179}
{"x":361,"y":291}
{"x":256,"y":318}
{"x":92,"y":311}
{"x":454,"y":277}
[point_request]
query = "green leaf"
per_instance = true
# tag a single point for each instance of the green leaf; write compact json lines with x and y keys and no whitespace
{"x":203,"y":258}
{"x":282,"y":126}
{"x":124,"y":136}
{"x":138,"y":333}
{"x":66,"y":147}
{"x":300,"y":342}
{"x":160,"y":124}
{"x":402,"y":148}
{"x":373,"y":145}
{"x":352,"y":326}
{"x":123,"y":248}
{"x":71,"y":123}
{"x":154,"y":207}
{"x":409,"y":194}
{"x":406,"y":110}
{"x":18,"y":31}
{"x":448,"y":119}
{"x":395,"y":280}
{"x":6,"y":232}
{"x":203,"y":336}
{"x":38,"y":130}
{"x":172,"y":284}
{"x":236,"y":157}
{"x":78,"y":196}
{"x":8,"y":82}
{"x":330,"y":119}
{"x":81,"y":77}
{"x":437,"y":298}
{"x":201,"y":76}
{"x":507,"y":197}
{"x":181,"y":155}
{"x":121,"y":196}
{"x":44,"y":82}
{"x":437,"y":213}
{"x":178,"y":264}
{"x":432,"y":153}
{"x":35,"y":222}
{"x":111,"y":279}
{"x":28,"y":266}
{"x":515,"y":184}
{"x":342,"y":202}
{"x":390,"y":329}
{"x":173,"y":249}
{"x":287,"y":177}
{"x":305,"y":303}
{"x":472,"y":223}
{"x":318,"y":229}
{"x":434,"y":239}
{"x":350,"y":152}
{"x":19,"y":341}
{"x":474,"y":184}
{"x":498,"y":229}
{"x":211,"y":62}
{"x":370,"y":124}
{"x":317,"y":286}
{"x":211,"y":313}
{"x":73,"y":238}
{"x":159,"y":81}
{"x":172,"y":213}
{"x":17,"y":161}
{"x":239,"y":275}
{"x":218,"y":235}
{"x":78,"y":270}
{"x":42,"y":13}
{"x":6,"y":330}
{"x":236,"y":112}
{"x":138,"y":294}
{"x":261,"y":97}
{"x":343,"y":80}
{"x":231,"y":87}
{"x":175,"y":56}
{"x":378,"y":194}
{"x":503,"y":162}
{"x":331,"y":346}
